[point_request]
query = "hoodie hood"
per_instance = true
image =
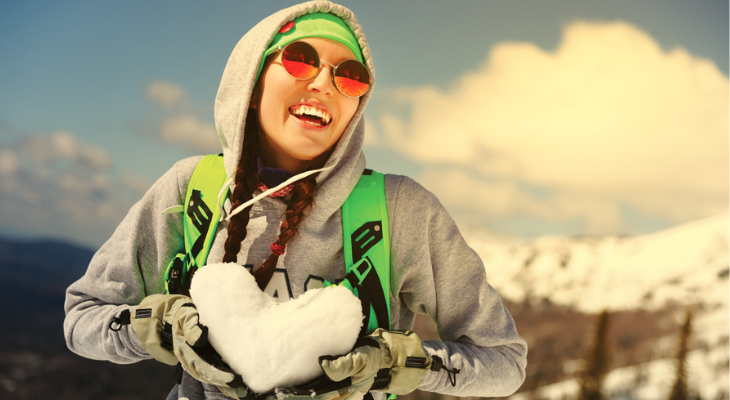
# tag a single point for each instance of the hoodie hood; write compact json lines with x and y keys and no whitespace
{"x":347,"y":162}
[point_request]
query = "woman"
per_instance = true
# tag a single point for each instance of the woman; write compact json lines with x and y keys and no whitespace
{"x":291,"y":103}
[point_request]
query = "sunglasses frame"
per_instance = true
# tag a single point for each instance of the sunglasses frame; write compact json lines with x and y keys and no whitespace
{"x":333,"y":68}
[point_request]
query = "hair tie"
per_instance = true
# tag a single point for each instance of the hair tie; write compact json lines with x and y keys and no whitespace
{"x":277,"y":249}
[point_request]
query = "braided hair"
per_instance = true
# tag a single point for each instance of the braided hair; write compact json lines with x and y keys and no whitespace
{"x":300,"y":203}
{"x":246,"y":181}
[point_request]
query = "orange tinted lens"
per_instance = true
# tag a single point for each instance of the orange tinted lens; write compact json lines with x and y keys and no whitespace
{"x":300,"y":60}
{"x":352,"y":78}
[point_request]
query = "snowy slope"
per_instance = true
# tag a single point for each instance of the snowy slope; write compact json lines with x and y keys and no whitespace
{"x":682,"y":266}
{"x":686,"y":264}
{"x":652,"y":380}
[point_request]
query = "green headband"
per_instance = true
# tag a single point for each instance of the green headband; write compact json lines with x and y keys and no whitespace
{"x":324,"y":25}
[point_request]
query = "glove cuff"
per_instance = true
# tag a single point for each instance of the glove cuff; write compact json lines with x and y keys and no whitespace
{"x":405,"y":362}
{"x":148,"y":322}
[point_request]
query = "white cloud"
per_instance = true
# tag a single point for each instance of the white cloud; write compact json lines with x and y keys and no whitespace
{"x":61,"y":186}
{"x":608,"y":117}
{"x":85,"y":185}
{"x":372,"y":137}
{"x":8,"y":163}
{"x":466,"y":192}
{"x":186,"y":129}
{"x":502,"y":197}
{"x":63,"y":146}
{"x":179,"y":123}
{"x":96,"y":157}
{"x":167,"y":94}
{"x":136,"y":183}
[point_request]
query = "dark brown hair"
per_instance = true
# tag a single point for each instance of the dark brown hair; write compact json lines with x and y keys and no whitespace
{"x":246,"y":181}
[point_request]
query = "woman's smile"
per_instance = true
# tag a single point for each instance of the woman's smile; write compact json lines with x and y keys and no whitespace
{"x":311,"y":115}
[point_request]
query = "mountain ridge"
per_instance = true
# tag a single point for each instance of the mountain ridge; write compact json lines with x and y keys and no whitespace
{"x":673,"y":270}
{"x":678,"y":265}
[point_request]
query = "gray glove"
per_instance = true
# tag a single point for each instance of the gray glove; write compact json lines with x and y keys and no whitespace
{"x":168,"y":328}
{"x":391,"y":361}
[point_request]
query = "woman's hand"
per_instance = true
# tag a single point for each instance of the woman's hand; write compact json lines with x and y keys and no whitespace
{"x":388,"y":361}
{"x":169,"y":329}
{"x":394,"y":361}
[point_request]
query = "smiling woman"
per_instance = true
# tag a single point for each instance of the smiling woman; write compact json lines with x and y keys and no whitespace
{"x":291,"y":201}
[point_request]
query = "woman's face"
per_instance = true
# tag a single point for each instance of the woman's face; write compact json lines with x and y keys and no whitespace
{"x":302,"y":120}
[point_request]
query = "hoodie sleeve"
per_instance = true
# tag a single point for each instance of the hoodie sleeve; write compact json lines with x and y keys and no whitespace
{"x":437,"y":273}
{"x":128,"y":267}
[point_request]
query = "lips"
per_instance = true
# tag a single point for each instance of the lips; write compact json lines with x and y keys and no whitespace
{"x":310,"y":114}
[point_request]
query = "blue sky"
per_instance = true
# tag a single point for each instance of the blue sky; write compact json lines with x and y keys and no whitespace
{"x":561,"y":85}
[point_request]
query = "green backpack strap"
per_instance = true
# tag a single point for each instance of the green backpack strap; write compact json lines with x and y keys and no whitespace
{"x":367,"y":249}
{"x":200,"y":220}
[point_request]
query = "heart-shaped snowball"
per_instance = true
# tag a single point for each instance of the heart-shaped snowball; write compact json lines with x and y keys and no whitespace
{"x":273,"y":344}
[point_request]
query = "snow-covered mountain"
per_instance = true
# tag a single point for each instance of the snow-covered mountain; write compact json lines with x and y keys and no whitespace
{"x":685,"y":264}
{"x":679,"y":267}
{"x":652,"y":380}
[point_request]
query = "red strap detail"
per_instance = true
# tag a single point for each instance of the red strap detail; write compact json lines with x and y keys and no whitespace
{"x":277,"y":249}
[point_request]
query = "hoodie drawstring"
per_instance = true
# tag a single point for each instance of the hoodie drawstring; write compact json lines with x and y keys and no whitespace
{"x":271,"y":190}
{"x":223,"y":190}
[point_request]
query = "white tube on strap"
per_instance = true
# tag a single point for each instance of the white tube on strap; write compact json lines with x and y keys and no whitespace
{"x":223,"y":190}
{"x":174,"y":209}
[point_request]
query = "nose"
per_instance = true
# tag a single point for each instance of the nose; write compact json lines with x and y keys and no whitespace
{"x":322,"y":82}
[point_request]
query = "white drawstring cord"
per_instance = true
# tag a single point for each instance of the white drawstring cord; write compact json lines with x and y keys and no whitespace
{"x":223,"y":190}
{"x":266,"y":193}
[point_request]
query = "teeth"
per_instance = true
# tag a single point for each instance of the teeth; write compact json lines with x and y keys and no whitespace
{"x":312,"y":111}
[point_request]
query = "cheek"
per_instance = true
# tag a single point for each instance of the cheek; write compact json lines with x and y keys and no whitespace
{"x":272,"y":92}
{"x":270,"y":110}
{"x":348,"y":109}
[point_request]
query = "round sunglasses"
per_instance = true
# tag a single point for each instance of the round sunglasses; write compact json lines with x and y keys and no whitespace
{"x":350,"y":77}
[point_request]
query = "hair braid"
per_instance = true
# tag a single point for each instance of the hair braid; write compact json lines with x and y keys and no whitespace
{"x":246,"y":181}
{"x":301,"y":202}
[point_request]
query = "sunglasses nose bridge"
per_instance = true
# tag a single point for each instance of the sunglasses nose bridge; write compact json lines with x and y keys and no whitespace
{"x":333,"y":68}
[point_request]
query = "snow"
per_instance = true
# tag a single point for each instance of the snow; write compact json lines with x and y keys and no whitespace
{"x":684,"y":266}
{"x":652,"y":380}
{"x":273,"y":344}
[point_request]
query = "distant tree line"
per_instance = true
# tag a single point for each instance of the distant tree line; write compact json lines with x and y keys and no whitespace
{"x":597,"y":362}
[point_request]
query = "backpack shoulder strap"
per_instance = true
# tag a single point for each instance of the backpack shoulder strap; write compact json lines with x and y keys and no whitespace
{"x":367,"y":249}
{"x":200,"y":220}
{"x":201,"y":207}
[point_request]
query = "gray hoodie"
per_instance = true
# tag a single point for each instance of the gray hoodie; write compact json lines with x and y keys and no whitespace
{"x":433,"y":270}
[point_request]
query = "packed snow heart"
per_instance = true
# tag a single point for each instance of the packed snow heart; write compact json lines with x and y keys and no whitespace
{"x":273,"y":344}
